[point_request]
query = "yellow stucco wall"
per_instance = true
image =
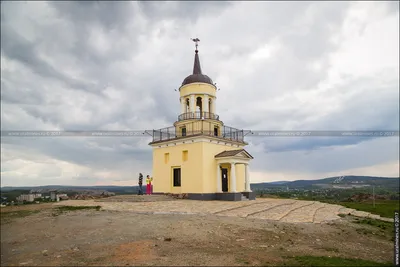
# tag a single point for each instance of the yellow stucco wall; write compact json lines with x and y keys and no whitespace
{"x":198,"y":173}
{"x":191,"y":170}
{"x":197,"y":88}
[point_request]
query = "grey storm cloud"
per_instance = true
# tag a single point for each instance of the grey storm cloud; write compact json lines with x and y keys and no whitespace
{"x":93,"y":65}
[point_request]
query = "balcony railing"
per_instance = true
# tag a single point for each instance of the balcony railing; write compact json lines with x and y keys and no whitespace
{"x":198,"y":115}
{"x":198,"y":128}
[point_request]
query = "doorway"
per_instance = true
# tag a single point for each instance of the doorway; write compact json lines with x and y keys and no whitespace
{"x":224,"y":177}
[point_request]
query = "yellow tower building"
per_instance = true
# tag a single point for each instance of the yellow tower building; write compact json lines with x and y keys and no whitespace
{"x":199,"y":155}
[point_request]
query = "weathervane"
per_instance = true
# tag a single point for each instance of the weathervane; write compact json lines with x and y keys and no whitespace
{"x":196,"y":40}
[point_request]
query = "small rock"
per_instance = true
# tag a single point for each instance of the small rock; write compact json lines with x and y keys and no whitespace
{"x":276,"y":236}
{"x":76,"y":249}
{"x":167,"y":239}
{"x":159,"y":238}
{"x":58,"y":256}
{"x":45,"y":252}
{"x":317,"y":240}
{"x":282,"y":232}
{"x":239,"y":239}
{"x":263,"y":246}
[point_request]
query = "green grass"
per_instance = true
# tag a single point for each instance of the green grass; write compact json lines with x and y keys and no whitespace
{"x":63,"y":209}
{"x":75,"y":208}
{"x":331,"y":249}
{"x":377,"y":223}
{"x":384,"y":208}
{"x":332,"y":261}
{"x":7,"y":217}
{"x":381,"y":227}
{"x":243,"y":261}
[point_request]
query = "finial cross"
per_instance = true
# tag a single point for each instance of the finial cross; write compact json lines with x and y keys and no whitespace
{"x":196,"y":40}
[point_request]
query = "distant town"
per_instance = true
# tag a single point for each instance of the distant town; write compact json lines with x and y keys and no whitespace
{"x":37,"y":196}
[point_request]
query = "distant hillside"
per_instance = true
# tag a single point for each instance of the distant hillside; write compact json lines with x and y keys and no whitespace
{"x":384,"y":182}
{"x":279,"y":182}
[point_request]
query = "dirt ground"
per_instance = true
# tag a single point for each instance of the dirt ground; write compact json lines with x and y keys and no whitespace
{"x":44,"y":236}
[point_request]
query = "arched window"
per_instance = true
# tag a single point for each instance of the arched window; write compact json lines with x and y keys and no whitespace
{"x":199,"y":107}
{"x":187,"y":105}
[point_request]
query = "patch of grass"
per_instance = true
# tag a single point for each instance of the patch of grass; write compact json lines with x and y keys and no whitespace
{"x":364,"y":231}
{"x":384,"y":208}
{"x":332,"y":261}
{"x":63,"y":209}
{"x":377,"y":223}
{"x":331,"y":249}
{"x":382,"y":227}
{"x":240,"y":260}
{"x":75,"y":208}
{"x":7,"y":217}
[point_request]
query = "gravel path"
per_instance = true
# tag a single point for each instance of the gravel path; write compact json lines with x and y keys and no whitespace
{"x":284,"y":210}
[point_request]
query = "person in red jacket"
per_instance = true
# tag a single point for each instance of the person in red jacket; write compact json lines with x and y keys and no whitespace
{"x":149,"y":190}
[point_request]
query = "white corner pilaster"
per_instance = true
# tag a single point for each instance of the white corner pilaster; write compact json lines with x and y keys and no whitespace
{"x":192,"y":104}
{"x":219,"y":181}
{"x":183,"y":105}
{"x":213,"y":105}
{"x":233,"y":177}
{"x":247,"y":178}
{"x":205,"y":103}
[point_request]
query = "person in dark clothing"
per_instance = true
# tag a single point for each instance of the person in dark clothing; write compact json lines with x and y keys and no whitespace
{"x":140,"y":184}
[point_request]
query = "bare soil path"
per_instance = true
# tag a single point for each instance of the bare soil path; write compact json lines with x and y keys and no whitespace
{"x":183,"y":233}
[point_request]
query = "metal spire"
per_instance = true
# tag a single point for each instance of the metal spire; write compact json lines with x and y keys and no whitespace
{"x":196,"y":67}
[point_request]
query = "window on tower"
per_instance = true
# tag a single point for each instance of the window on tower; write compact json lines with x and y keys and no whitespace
{"x":216,"y":131}
{"x":183,"y":129}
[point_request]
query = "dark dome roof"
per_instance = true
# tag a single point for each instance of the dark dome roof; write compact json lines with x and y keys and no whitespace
{"x":197,"y":76}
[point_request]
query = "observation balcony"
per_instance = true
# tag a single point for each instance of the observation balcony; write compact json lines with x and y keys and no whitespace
{"x":197,"y":115}
{"x":198,"y":128}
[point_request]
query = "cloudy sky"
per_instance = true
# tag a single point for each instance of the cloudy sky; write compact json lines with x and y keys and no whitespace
{"x":115,"y":66}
